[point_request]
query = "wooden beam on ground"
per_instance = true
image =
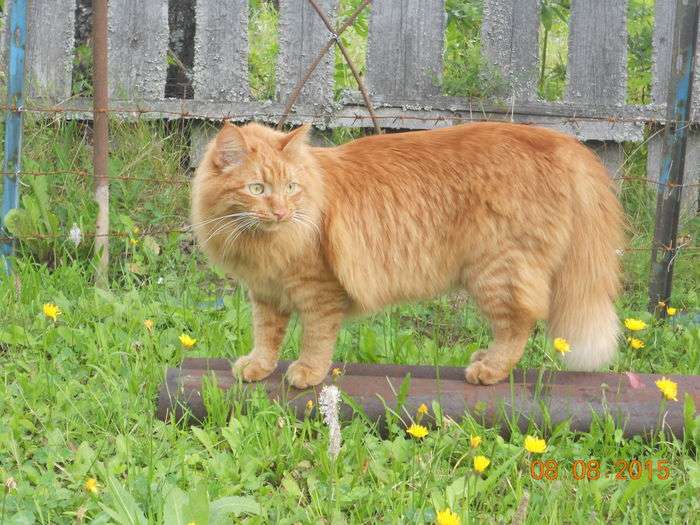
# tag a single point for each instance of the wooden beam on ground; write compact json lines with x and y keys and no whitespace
{"x":634,"y":402}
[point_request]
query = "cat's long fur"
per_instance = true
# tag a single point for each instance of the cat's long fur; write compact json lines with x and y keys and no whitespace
{"x":524,"y":218}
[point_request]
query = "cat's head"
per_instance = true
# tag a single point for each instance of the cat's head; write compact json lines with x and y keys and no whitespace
{"x":257,"y":180}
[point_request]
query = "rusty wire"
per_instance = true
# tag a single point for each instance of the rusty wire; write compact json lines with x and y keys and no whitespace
{"x":355,"y":73}
{"x":335,"y":38}
{"x":86,"y":174}
{"x":186,"y":229}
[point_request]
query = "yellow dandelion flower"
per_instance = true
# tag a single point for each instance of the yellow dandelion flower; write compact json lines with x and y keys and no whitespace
{"x":447,"y":517}
{"x":309,"y":405}
{"x":635,"y":343}
{"x":51,"y":311}
{"x":635,"y":324}
{"x":671,"y":311}
{"x":668,"y":388}
{"x":481,"y":462}
{"x":134,"y":242}
{"x":187,"y":341}
{"x":561,"y":345}
{"x":422,"y":409}
{"x":148,"y":323}
{"x":535,"y":445}
{"x":336,"y":372}
{"x":417,"y":431}
{"x":91,"y":486}
{"x":475,"y":441}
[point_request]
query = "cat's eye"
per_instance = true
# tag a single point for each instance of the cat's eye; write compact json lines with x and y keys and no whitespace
{"x":292,"y":187}
{"x":256,"y":188}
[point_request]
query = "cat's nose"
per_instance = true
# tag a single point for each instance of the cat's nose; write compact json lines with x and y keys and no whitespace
{"x":281,"y":214}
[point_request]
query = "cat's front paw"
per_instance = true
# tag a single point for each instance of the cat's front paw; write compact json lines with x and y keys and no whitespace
{"x":301,"y":376}
{"x":252,"y":368}
{"x":485,"y":370}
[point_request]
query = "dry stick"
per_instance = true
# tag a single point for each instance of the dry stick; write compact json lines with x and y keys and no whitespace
{"x":351,"y":64}
{"x":101,"y":140}
{"x":312,"y":67}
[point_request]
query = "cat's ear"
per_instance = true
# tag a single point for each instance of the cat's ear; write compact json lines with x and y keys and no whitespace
{"x":295,"y":140}
{"x":231,"y":147}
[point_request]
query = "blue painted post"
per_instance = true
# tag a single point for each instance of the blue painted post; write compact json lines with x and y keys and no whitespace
{"x":13,"y":120}
{"x":668,"y":203}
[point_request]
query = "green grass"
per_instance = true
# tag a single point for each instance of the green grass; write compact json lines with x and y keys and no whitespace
{"x":77,"y":396}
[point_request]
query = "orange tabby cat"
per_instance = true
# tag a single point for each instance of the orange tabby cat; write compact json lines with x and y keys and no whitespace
{"x":523,"y":218}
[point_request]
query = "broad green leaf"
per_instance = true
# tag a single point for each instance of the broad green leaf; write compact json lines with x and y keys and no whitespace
{"x":236,"y":505}
{"x":197,"y":508}
{"x":126,"y":511}
{"x":174,"y":512}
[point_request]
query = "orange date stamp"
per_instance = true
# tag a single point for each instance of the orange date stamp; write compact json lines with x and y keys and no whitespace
{"x":622,"y":469}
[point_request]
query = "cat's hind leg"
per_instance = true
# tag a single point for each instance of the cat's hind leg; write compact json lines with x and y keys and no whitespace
{"x":512,"y":296}
{"x":269,"y":327}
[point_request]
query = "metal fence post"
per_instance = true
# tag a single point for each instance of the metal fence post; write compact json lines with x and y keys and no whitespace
{"x":101,"y":140}
{"x":13,"y":120}
{"x":668,"y":202}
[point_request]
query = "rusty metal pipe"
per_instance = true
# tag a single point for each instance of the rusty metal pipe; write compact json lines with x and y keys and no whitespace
{"x":532,"y":396}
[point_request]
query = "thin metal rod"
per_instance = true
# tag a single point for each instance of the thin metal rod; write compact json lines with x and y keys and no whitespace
{"x":294,"y":95}
{"x":668,"y":203}
{"x":355,"y":73}
{"x":100,"y":140}
{"x":13,"y":121}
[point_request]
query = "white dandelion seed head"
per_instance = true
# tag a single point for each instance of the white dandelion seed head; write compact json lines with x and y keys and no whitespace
{"x":328,"y":401}
{"x":10,"y":484}
{"x":75,"y":235}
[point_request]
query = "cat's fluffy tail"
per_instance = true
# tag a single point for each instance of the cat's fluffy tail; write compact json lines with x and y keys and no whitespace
{"x":581,"y":307}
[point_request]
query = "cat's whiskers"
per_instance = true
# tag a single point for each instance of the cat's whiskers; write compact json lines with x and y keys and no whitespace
{"x":244,"y":225}
{"x":219,"y":229}
{"x":302,"y":218}
{"x":235,"y":218}
{"x":222,"y":217}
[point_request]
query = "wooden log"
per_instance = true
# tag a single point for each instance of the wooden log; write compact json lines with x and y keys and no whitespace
{"x":138,"y":45}
{"x":509,"y":42}
{"x":597,"y":70}
{"x":404,"y":48}
{"x":533,"y":396}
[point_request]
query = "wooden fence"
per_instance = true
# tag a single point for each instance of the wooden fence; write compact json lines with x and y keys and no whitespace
{"x":404,"y":64}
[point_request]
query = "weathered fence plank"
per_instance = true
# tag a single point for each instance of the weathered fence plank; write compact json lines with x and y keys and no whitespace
{"x":509,"y":43}
{"x":221,"y":50}
{"x":220,"y":61}
{"x":50,"y":43}
{"x":138,"y":45}
{"x":664,"y":15}
{"x":597,"y":70}
{"x":302,"y":35}
{"x":404,"y":49}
